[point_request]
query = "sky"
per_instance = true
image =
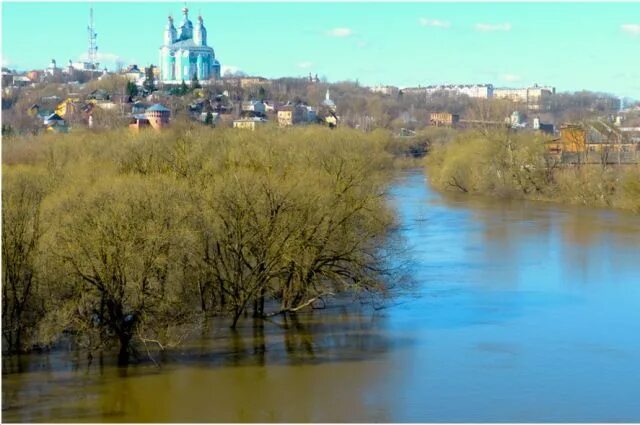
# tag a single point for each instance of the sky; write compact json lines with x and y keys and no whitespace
{"x":571,"y":46}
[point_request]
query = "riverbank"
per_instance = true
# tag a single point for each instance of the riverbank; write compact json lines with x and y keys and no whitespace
{"x":515,"y":166}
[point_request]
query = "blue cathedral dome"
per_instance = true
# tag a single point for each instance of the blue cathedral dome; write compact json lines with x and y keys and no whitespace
{"x":186,"y":27}
{"x":185,"y":53}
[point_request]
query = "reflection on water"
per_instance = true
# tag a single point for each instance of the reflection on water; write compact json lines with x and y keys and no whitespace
{"x":521,"y":312}
{"x":225,"y":375}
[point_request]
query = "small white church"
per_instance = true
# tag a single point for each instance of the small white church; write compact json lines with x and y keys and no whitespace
{"x":185,"y":54}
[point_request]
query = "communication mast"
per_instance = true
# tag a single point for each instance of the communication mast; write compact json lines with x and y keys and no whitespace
{"x":93,"y":47}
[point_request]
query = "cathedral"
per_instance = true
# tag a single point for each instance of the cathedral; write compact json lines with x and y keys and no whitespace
{"x":184,"y":53}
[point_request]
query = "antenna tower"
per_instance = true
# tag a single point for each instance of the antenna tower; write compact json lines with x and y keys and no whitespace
{"x":93,"y":47}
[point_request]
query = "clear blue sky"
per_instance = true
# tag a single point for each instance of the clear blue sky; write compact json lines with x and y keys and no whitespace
{"x":572,"y":46}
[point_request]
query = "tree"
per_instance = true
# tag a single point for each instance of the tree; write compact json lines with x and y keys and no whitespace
{"x":195,"y":84}
{"x":262,"y":94}
{"x":22,"y":195}
{"x":7,"y":130}
{"x":180,"y":223}
{"x":148,"y":83}
{"x":184,"y":89}
{"x":132,"y":89}
{"x":117,"y":243}
{"x":108,"y":119}
{"x":265,"y":235}
{"x":208,"y":118}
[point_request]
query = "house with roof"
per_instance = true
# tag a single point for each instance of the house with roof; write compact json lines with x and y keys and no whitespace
{"x":55,"y":123}
{"x":291,"y":115}
{"x":199,"y":106}
{"x":99,"y":95}
{"x":443,"y":119}
{"x":21,"y":81}
{"x":101,"y":98}
{"x":53,"y":119}
{"x":158,"y":116}
{"x":139,"y":107}
{"x":594,"y":137}
{"x":543,"y":128}
{"x":67,"y":106}
{"x":601,"y":136}
{"x":139,"y":121}
{"x":250,"y":123}
{"x":269,"y":106}
{"x":43,"y":113}
{"x":134,"y":74}
{"x":253,"y":108}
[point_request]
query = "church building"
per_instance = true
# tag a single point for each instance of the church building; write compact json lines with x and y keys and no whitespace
{"x":185,"y":54}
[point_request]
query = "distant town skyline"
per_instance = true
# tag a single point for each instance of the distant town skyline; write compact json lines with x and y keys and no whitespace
{"x":572,"y":46}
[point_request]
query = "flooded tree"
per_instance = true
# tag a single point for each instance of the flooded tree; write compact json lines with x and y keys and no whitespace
{"x":23,"y":190}
{"x":151,"y":233}
{"x":115,"y":240}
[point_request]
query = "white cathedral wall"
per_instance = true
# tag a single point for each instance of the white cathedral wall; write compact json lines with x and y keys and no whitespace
{"x":182,"y":68}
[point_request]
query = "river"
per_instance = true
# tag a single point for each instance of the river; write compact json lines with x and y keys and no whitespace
{"x":517,"y":311}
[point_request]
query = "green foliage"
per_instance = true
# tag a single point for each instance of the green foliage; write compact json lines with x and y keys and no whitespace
{"x":180,"y":90}
{"x":208,"y":119}
{"x":195,"y":84}
{"x":132,"y":89}
{"x":7,"y":131}
{"x":148,"y":83}
{"x":147,"y":232}
{"x":262,"y":94}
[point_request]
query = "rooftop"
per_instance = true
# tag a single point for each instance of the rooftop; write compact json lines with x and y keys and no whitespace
{"x":158,"y":108}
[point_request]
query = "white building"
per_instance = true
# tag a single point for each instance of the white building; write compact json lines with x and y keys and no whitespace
{"x":516,"y":120}
{"x":385,"y":90}
{"x":536,"y":123}
{"x":482,"y":91}
{"x":531,"y":95}
{"x":135,"y":74}
{"x":328,"y":102}
{"x":86,"y":66}
{"x":254,"y":106}
{"x":52,"y":69}
{"x":21,"y":81}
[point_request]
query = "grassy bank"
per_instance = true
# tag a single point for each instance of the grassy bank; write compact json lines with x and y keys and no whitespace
{"x":120,"y":239}
{"x":514,"y":165}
